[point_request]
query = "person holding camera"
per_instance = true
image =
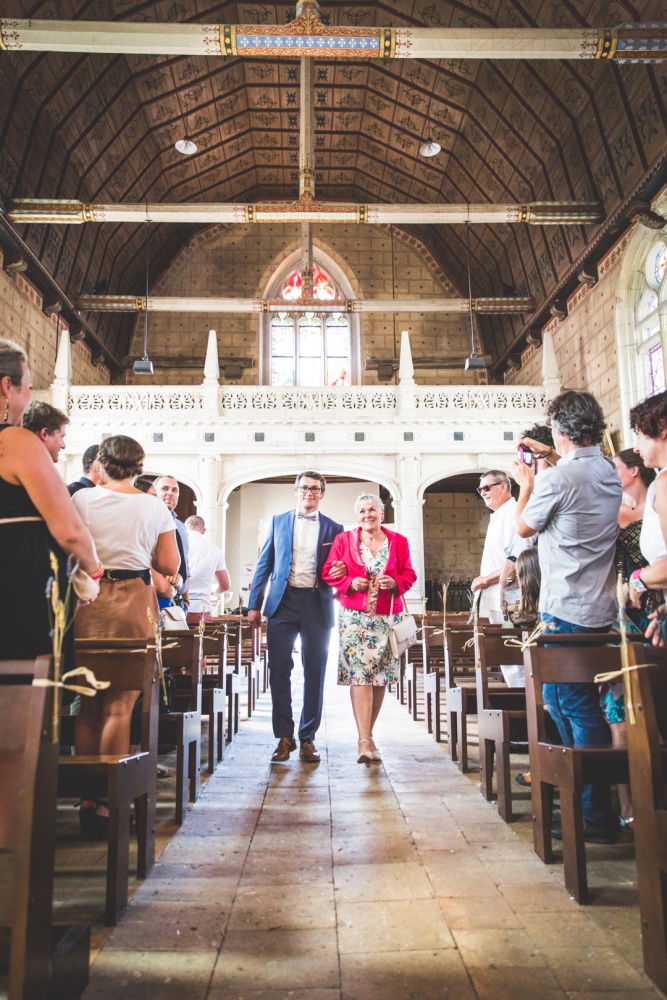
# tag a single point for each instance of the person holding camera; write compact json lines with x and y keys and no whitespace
{"x":573,"y":508}
{"x":501,"y":543}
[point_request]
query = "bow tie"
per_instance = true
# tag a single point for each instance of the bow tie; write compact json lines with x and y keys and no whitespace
{"x":307,"y":517}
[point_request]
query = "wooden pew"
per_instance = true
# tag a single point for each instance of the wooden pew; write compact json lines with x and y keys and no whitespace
{"x":413,"y":659}
{"x":182,"y":656}
{"x":229,"y":667}
{"x":501,"y":717}
{"x":576,"y":659}
{"x":213,"y":696}
{"x":43,"y":960}
{"x":125,"y":778}
{"x":433,"y":652}
{"x":461,"y":687}
{"x":647,"y":750}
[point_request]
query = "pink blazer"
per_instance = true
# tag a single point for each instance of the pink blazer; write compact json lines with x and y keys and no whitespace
{"x":346,"y":547}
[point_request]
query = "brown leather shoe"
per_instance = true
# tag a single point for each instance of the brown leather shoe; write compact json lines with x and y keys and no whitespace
{"x":308,"y":752}
{"x":285,"y":747}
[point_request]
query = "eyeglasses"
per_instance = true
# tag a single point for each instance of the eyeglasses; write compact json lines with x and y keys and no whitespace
{"x":310,"y":489}
{"x":485,"y":489}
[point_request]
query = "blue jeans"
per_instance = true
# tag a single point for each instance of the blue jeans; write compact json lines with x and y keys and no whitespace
{"x":575,"y":708}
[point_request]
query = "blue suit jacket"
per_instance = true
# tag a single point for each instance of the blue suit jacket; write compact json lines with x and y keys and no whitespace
{"x":275,"y":562}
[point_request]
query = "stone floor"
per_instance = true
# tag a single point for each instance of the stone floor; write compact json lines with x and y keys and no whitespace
{"x":345,"y":882}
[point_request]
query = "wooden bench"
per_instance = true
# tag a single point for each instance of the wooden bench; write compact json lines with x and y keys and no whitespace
{"x":647,"y":750}
{"x":125,"y":778}
{"x":575,"y":660}
{"x":228,"y":671}
{"x":413,"y":660}
{"x":181,"y":726}
{"x":461,"y":686}
{"x":433,"y":653}
{"x":44,"y":961}
{"x":501,"y":717}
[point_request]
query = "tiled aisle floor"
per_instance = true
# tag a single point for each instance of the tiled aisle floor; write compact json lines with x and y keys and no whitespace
{"x":345,"y":882}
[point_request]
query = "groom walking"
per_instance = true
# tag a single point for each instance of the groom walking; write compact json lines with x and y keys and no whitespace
{"x":298,"y":603}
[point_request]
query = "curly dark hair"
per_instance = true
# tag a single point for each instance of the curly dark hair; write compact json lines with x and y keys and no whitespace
{"x":121,"y":457}
{"x":650,"y":416}
{"x":632,"y":460}
{"x":539,"y":432}
{"x":578,"y":416}
{"x":42,"y":416}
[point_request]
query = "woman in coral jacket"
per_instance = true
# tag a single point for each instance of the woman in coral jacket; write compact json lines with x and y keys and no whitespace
{"x":368,"y":566}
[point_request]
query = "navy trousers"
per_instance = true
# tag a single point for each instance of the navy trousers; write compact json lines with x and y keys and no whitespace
{"x":299,"y":613}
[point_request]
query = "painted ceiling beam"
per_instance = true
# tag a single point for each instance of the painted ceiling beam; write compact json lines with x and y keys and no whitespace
{"x":539,"y":213}
{"x":184,"y":304}
{"x":307,"y":35}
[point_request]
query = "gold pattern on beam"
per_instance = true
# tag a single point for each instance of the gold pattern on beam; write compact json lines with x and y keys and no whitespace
{"x":140,"y":304}
{"x":607,"y":43}
{"x":228,"y":39}
{"x":2,"y":42}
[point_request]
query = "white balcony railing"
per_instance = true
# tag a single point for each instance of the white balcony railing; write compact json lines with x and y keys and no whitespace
{"x":269,"y":404}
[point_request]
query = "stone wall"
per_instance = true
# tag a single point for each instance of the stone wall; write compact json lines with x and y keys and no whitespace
{"x":239,"y":261}
{"x":585,"y":341}
{"x":454,"y":530}
{"x":22,"y":320}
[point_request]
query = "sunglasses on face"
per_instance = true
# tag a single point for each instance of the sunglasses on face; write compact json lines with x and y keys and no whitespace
{"x":485,"y":489}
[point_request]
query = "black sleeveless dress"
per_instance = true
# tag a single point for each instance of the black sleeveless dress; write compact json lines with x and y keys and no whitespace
{"x":25,"y":625}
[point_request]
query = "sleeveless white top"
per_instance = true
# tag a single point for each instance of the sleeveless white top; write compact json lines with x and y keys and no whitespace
{"x":651,"y":540}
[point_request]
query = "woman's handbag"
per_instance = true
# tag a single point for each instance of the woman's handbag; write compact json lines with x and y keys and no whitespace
{"x":402,"y":634}
{"x":174,"y":618}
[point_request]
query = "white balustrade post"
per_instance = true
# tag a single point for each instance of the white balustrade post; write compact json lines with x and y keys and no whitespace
{"x":62,"y":373}
{"x":211,"y":374}
{"x":410,"y":522}
{"x":550,"y":373}
{"x":407,"y":403}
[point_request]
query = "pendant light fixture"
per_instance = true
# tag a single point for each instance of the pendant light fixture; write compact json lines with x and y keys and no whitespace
{"x":475,"y":362}
{"x":143,"y":365}
{"x":186,"y":146}
{"x":430,"y":147}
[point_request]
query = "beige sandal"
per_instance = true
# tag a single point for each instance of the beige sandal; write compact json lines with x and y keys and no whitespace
{"x":365,"y":754}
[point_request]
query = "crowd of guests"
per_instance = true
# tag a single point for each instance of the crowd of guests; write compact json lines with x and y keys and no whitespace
{"x":110,"y":541}
{"x":580,"y":519}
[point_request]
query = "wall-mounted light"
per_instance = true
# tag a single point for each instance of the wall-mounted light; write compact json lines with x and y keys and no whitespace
{"x":186,"y":146}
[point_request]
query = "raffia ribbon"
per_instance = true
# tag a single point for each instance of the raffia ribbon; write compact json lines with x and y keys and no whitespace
{"x":524,"y":644}
{"x":89,"y":692}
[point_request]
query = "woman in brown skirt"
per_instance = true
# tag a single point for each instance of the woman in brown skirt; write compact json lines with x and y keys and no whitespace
{"x":133,"y":532}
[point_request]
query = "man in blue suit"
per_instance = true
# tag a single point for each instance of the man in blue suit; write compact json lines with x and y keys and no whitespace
{"x":298,"y":603}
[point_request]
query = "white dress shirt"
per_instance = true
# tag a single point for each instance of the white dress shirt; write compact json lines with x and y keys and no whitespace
{"x":304,"y":551}
{"x":501,"y":541}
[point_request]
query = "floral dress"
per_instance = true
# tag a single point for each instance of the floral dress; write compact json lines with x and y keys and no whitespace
{"x":364,"y":655}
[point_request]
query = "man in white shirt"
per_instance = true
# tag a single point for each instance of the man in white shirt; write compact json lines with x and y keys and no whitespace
{"x":298,"y":602}
{"x":502,"y":541}
{"x":208,"y":570}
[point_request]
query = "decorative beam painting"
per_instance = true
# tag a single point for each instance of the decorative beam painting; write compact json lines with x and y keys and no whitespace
{"x":306,"y":209}
{"x":306,"y":35}
{"x":166,"y":303}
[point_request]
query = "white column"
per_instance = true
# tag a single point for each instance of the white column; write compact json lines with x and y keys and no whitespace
{"x":207,"y":507}
{"x":406,"y":382}
{"x":410,"y":522}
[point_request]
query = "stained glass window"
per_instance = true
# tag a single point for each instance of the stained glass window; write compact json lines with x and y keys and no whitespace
{"x":310,"y":349}
{"x":656,"y":369}
{"x":660,"y":265}
{"x":649,"y":320}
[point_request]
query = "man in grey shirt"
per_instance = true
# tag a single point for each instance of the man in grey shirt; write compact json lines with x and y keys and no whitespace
{"x":574,"y":509}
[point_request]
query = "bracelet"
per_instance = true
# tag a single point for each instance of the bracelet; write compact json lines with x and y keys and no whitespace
{"x":637,"y":583}
{"x":548,"y":454}
{"x":99,"y":574}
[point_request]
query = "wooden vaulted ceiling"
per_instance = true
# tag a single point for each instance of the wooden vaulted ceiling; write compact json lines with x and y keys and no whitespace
{"x":102,"y":128}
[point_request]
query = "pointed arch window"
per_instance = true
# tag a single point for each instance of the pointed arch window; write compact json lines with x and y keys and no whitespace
{"x":649,"y":319}
{"x":311,"y":348}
